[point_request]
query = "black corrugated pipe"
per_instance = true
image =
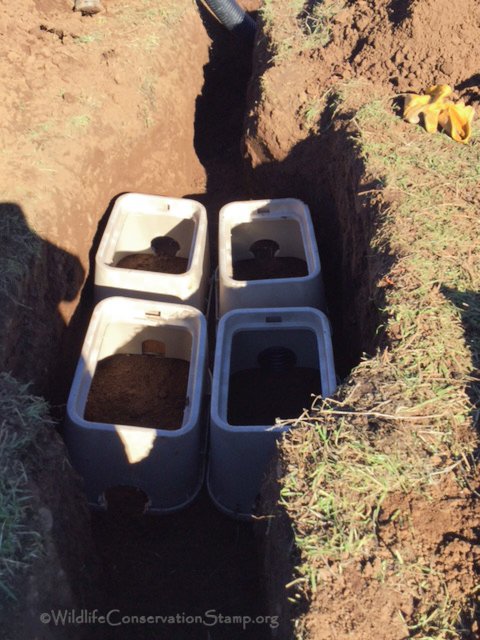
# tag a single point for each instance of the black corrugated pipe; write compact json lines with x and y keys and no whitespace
{"x":233,"y":17}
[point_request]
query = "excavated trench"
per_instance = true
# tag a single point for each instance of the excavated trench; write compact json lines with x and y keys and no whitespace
{"x":196,"y":563}
{"x":199,"y":563}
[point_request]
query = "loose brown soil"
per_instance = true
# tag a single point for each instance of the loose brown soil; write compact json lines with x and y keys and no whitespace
{"x":158,"y":264}
{"x":257,"y":396}
{"x":141,"y":390}
{"x":269,"y":269}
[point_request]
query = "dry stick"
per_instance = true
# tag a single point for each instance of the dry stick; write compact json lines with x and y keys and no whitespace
{"x":376,"y":414}
{"x":364,"y":414}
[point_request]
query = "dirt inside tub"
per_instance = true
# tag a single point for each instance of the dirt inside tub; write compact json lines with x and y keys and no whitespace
{"x":162,"y":260}
{"x":277,"y":388}
{"x":139,"y":389}
{"x":266,"y":265}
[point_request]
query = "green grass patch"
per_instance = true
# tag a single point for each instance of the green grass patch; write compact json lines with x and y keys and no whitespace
{"x":80,"y":121}
{"x":348,"y":480}
{"x":316,"y":21}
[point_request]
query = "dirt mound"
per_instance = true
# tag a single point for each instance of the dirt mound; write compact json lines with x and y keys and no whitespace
{"x":89,"y":110}
{"x":403,"y":45}
{"x":410,"y":44}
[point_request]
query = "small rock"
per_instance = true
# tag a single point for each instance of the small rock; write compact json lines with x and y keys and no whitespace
{"x":398,"y":57}
{"x":447,"y":68}
{"x":362,"y":23}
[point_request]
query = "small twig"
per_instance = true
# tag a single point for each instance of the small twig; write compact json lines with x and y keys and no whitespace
{"x":447,"y":469}
{"x":376,"y":414}
{"x":294,"y":582}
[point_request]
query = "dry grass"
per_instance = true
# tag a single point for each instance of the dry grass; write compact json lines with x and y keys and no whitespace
{"x":24,"y":417}
{"x":299,"y":25}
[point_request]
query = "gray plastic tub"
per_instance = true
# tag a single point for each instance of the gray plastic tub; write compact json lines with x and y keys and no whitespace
{"x":166,"y":465}
{"x":239,"y":454}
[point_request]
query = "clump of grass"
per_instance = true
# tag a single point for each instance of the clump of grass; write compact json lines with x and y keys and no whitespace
{"x":348,"y":480}
{"x":80,"y":121}
{"x":316,"y":21}
{"x":299,"y":26}
{"x":311,"y":112}
{"x":40,"y":130}
{"x":23,"y":418}
{"x":269,"y":10}
{"x":280,"y":24}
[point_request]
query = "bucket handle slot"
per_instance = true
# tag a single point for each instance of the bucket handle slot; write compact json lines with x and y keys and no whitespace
{"x":153,"y":348}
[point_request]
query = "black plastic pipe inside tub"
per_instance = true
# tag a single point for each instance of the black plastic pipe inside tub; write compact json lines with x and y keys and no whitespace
{"x":233,"y":17}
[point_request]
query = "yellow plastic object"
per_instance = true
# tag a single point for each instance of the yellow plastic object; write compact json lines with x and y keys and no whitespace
{"x":454,"y":119}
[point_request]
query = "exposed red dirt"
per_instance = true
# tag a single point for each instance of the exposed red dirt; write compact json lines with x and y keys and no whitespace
{"x":89,"y":110}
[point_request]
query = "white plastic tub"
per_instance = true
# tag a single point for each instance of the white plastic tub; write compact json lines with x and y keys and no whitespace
{"x":286,"y":222}
{"x":239,"y":454}
{"x":166,"y":465}
{"x":137,"y":219}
